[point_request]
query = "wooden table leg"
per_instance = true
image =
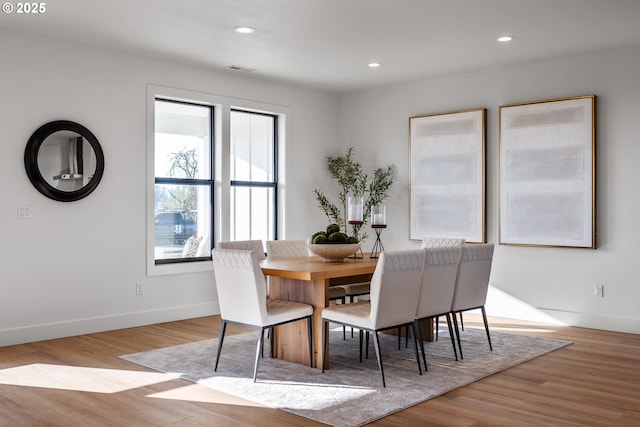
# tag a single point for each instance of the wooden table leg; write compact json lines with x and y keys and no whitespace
{"x":290,"y":340}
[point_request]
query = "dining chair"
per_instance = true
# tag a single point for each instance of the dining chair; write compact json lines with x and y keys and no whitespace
{"x":472,"y":284}
{"x":395,"y":287}
{"x":284,"y":249}
{"x":436,"y":292}
{"x":435,"y":242}
{"x":243,"y":300}
{"x":249,"y":245}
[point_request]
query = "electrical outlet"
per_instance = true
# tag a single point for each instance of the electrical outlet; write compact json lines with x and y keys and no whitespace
{"x":598,"y":291}
{"x":138,"y":288}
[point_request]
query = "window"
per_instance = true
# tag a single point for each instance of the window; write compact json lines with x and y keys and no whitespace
{"x":253,"y":148}
{"x":183,"y":181}
{"x":212,"y":175}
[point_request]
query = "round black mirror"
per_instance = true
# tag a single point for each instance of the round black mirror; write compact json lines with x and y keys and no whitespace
{"x":64,"y":160}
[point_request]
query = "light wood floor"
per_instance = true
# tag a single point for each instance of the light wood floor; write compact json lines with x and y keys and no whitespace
{"x":594,"y":382}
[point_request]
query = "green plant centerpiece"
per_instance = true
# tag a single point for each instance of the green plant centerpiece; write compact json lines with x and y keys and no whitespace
{"x":332,"y":235}
{"x":352,"y":180}
{"x":332,"y":245}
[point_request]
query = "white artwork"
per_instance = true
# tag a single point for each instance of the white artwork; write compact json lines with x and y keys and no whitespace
{"x":547,"y":173}
{"x":448,"y":175}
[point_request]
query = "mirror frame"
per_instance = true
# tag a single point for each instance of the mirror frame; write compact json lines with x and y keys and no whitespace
{"x":33,"y":171}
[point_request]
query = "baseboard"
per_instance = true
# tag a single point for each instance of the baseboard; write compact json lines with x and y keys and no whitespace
{"x":502,"y":304}
{"x":595,"y":321}
{"x":75,"y":327}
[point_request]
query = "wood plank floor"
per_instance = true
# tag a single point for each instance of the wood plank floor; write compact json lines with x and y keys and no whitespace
{"x":594,"y":382}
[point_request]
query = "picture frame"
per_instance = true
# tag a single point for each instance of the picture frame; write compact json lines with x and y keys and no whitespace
{"x":548,"y":172}
{"x":447,"y":175}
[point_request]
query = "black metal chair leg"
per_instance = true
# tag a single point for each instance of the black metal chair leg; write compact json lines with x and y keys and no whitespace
{"x":259,"y":346}
{"x":360,"y":336}
{"x":223,"y":328}
{"x":310,"y":336}
{"x":376,"y":343}
{"x":366,"y":345}
{"x":415,"y":345}
{"x":437,"y":327}
{"x":421,"y":343}
{"x":325,"y":326}
{"x":486,"y":326}
{"x":453,"y":341}
{"x":455,"y":325}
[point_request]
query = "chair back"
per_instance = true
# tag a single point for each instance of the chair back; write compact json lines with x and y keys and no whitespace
{"x":242,"y":292}
{"x":472,"y":282}
{"x":246,"y":245}
{"x":434,"y":242}
{"x":438,"y":281}
{"x":282,"y":249}
{"x":395,"y":287}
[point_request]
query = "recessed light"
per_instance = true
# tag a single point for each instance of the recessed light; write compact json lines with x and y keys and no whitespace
{"x":374,"y":64}
{"x":244,"y":30}
{"x":505,"y":39}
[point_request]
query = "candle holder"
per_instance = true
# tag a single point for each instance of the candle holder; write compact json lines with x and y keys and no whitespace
{"x":355,"y":207}
{"x":378,"y":223}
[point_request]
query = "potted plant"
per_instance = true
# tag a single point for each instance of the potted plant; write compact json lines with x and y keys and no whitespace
{"x":352,"y":180}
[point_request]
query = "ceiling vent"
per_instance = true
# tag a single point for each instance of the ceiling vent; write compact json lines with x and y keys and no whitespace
{"x":239,"y":68}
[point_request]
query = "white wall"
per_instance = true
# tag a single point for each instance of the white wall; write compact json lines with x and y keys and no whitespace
{"x":530,"y":282}
{"x":73,"y":267}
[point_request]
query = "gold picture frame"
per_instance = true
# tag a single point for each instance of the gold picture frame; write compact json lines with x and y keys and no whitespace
{"x":447,"y":169}
{"x":548,"y":173}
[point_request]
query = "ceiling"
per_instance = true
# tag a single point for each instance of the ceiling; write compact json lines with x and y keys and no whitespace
{"x":327,"y":44}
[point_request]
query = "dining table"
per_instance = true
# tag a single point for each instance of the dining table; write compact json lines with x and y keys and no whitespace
{"x":307,"y":280}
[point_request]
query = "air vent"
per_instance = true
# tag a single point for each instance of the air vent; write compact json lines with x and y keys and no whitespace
{"x":239,"y":68}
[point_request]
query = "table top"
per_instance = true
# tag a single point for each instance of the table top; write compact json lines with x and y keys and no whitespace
{"x":315,"y":268}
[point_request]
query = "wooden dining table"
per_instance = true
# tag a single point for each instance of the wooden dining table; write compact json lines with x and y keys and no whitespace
{"x":307,"y":280}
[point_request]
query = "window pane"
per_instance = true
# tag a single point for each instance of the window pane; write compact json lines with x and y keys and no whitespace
{"x":182,"y":141}
{"x":252,"y":147}
{"x":181,"y":211}
{"x":252,"y":215}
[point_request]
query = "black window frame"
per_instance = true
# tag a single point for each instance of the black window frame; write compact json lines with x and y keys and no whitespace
{"x":189,"y":181}
{"x":262,"y":184}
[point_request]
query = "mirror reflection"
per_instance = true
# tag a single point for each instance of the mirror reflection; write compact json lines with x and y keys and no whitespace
{"x":66,"y":161}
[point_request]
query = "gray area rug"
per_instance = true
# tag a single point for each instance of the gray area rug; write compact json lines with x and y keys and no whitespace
{"x":350,"y":393}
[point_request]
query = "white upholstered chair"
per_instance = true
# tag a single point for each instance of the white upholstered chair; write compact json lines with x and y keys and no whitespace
{"x":283,"y":249}
{"x":472,"y":284}
{"x":437,"y":242}
{"x":247,"y":245}
{"x":436,"y":292}
{"x":243,"y":299}
{"x":395,"y":287}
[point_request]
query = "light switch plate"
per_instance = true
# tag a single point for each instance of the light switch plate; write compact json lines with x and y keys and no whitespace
{"x":24,"y":212}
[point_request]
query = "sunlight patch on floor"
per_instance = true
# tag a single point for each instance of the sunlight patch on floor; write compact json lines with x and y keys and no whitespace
{"x":77,"y":378}
{"x":198,"y":393}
